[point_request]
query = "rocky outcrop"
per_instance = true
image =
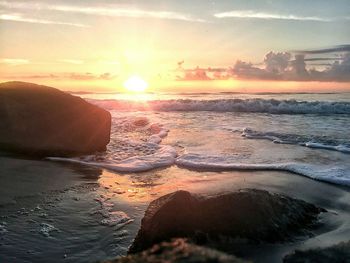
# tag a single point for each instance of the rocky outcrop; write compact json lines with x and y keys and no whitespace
{"x":178,"y":251}
{"x":40,"y":120}
{"x":254,"y":215}
{"x":339,"y":253}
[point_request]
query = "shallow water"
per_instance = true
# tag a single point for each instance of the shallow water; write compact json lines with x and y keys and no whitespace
{"x":68,"y":218}
{"x":312,"y":145}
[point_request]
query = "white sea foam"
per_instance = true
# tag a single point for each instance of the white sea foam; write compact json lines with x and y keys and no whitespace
{"x":3,"y":228}
{"x":46,"y":229}
{"x":337,"y":174}
{"x":136,"y":142}
{"x":157,"y":138}
{"x":163,"y":157}
{"x":339,"y":148}
{"x":311,"y":141}
{"x":116,"y":218}
{"x":231,"y":105}
{"x":110,"y":217}
{"x":126,"y":154}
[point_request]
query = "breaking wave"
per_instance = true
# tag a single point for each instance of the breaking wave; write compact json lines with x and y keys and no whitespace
{"x":272,"y":106}
{"x":136,"y":142}
{"x":163,"y":157}
{"x":135,"y":146}
{"x":318,"y":142}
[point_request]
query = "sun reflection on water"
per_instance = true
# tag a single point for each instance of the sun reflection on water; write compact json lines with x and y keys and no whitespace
{"x":143,"y":188}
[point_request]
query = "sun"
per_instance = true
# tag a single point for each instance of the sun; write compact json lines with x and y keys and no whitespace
{"x":135,"y":84}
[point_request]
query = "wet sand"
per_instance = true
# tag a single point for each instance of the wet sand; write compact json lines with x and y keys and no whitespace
{"x":72,"y":197}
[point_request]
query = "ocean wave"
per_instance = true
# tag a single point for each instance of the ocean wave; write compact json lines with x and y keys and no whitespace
{"x":336,"y":174}
{"x":135,"y":146}
{"x":318,"y":142}
{"x":163,"y":157}
{"x":272,"y":106}
{"x":167,"y":156}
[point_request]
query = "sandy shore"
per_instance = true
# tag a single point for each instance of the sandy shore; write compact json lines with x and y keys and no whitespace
{"x":69,"y":194}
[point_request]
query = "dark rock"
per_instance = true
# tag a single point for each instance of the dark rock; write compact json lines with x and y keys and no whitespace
{"x":339,"y":253}
{"x":253,"y":215}
{"x":41,"y":120}
{"x":178,"y":251}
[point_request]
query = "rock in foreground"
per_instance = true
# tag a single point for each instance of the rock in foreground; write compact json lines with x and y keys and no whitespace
{"x":178,"y":251}
{"x":254,"y":215}
{"x":339,"y":253}
{"x":40,"y":120}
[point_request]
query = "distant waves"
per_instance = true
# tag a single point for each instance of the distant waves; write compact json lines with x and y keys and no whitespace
{"x":272,"y":106}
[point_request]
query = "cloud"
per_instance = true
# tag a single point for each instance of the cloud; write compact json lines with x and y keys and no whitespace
{"x":37,"y":76}
{"x":106,"y":10}
{"x":201,"y":73}
{"x":216,"y":70}
{"x":90,"y":76}
{"x":277,"y":63}
{"x":251,"y":14}
{"x":320,"y":64}
{"x":339,"y":48}
{"x":107,"y":76}
{"x":246,"y":70}
{"x":280,"y":66}
{"x":340,"y":70}
{"x":284,"y":66}
{"x":298,"y":68}
{"x":277,"y":66}
{"x":20,"y":18}
{"x":14,"y":61}
{"x":323,"y":59}
{"x":194,"y":74}
{"x":68,"y":76}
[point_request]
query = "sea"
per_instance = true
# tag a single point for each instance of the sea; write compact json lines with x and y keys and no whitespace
{"x":89,"y":208}
{"x":303,"y":133}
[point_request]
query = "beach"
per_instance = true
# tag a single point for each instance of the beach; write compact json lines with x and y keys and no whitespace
{"x":174,"y":131}
{"x":74,"y":207}
{"x":89,"y":208}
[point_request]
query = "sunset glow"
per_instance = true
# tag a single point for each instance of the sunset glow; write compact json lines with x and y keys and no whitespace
{"x":135,"y":84}
{"x":184,"y":47}
{"x":174,"y":130}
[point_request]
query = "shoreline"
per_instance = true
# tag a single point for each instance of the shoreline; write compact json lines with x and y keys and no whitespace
{"x":131,"y":193}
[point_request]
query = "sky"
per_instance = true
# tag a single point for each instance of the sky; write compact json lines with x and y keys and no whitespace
{"x":177,"y":45}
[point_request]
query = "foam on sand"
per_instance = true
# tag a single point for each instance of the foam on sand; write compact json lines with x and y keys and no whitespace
{"x":116,"y":218}
{"x":110,"y":217}
{"x":163,"y":157}
{"x":3,"y":227}
{"x":46,"y":229}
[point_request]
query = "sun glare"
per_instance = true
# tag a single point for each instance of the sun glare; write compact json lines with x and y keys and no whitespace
{"x":135,"y":84}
